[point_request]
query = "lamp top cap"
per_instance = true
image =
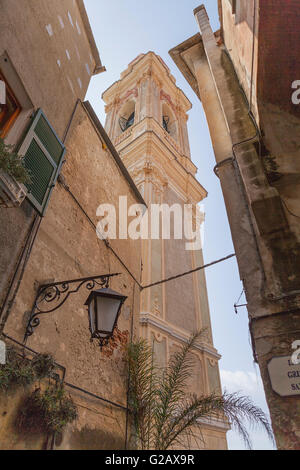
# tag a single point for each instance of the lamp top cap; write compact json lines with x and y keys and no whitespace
{"x":106,"y":292}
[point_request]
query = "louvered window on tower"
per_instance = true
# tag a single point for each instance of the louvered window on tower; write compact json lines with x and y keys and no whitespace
{"x":166,"y":121}
{"x":43,"y":154}
{"x":125,"y":123}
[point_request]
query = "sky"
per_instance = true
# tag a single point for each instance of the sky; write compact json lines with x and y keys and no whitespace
{"x":123,"y":29}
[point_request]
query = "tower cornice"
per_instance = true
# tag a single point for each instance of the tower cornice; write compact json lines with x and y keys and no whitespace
{"x":144,"y":67}
{"x":149,"y":144}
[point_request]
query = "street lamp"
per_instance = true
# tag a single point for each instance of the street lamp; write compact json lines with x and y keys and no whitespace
{"x":104,"y":306}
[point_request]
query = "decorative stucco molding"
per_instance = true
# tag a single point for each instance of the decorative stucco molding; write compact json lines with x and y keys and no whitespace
{"x":215,"y":423}
{"x":165,"y":97}
{"x":129,"y":93}
{"x":148,"y":319}
{"x":149,"y":171}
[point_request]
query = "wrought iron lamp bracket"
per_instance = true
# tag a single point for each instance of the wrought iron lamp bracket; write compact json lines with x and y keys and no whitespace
{"x":102,"y":341}
{"x":57,"y":294}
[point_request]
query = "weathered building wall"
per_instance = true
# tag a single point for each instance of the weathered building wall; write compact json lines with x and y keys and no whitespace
{"x":48,"y":56}
{"x":10,"y":437}
{"x":240,"y":32}
{"x":277,"y":67}
{"x":48,"y":45}
{"x":280,"y":117}
{"x":258,"y":170}
{"x":271,"y":67}
{"x":67,"y":247}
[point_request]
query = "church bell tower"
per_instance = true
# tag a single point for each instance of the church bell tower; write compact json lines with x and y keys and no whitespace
{"x":147,"y":123}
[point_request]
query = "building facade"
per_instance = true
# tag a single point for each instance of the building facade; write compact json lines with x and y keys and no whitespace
{"x":147,"y":122}
{"x":48,"y":230}
{"x":246,"y":75}
{"x":67,"y":247}
{"x":47,"y":59}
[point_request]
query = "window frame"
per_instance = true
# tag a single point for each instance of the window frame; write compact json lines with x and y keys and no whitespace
{"x":15,"y":84}
{"x":11,"y":121}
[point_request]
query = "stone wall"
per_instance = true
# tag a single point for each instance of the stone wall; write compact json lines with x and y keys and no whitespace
{"x":259,"y":173}
{"x":47,"y":44}
{"x":48,"y":57}
{"x":67,"y":247}
{"x":240,"y":30}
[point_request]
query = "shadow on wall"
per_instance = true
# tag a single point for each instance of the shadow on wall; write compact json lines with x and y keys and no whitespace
{"x":92,"y":439}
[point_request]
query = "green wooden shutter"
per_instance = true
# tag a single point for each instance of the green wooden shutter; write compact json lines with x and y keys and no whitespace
{"x":43,"y":154}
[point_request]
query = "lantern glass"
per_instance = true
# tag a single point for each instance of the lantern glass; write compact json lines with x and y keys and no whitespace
{"x":104,"y":306}
{"x":106,"y":314}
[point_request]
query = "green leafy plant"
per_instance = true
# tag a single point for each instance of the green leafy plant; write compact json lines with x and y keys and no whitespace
{"x":42,"y":411}
{"x":16,"y":372}
{"x":166,"y":415}
{"x":20,"y":371}
{"x":43,"y":365}
{"x":47,"y":411}
{"x":142,"y":389}
{"x":12,"y":164}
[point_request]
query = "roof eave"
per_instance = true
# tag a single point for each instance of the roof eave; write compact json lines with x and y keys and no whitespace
{"x":99,"y":68}
{"x":178,"y":57}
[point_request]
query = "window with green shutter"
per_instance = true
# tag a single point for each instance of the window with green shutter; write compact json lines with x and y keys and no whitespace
{"x":43,"y":154}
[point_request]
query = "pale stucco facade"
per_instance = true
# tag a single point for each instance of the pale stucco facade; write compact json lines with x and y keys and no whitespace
{"x":160,"y":164}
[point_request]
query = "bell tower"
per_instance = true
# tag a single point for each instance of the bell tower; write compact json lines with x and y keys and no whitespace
{"x":147,"y":122}
{"x":152,"y":94}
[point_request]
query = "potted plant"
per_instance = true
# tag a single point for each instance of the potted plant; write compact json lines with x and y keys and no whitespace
{"x":13,"y":177}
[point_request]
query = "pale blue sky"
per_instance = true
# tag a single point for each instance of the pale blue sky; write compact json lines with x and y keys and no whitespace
{"x":123,"y":29}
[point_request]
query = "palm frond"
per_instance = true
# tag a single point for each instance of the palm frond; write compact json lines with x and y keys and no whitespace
{"x":239,"y":409}
{"x":142,"y":387}
{"x":165,"y":415}
{"x":173,"y":386}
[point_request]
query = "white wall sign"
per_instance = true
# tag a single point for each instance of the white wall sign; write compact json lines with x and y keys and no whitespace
{"x":285,"y":376}
{"x":2,"y":92}
{"x":2,"y":353}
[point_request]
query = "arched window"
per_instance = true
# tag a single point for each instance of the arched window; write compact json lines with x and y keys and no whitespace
{"x":127,"y":116}
{"x":169,"y":121}
{"x":126,"y":123}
